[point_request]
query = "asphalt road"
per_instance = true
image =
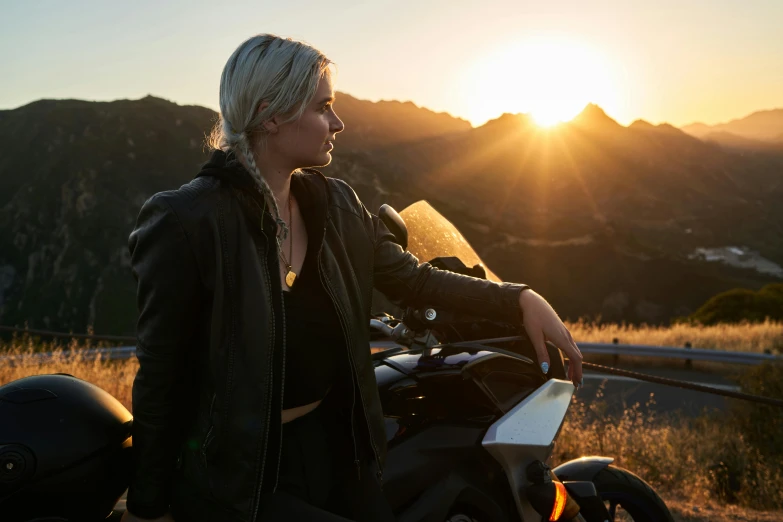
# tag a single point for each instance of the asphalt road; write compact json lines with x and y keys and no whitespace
{"x":621,"y":392}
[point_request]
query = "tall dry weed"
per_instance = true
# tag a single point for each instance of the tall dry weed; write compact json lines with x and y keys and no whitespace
{"x":116,"y":377}
{"x":695,"y":459}
{"x":742,"y":337}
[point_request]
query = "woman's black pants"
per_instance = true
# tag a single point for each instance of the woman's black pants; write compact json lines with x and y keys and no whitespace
{"x":317,"y":479}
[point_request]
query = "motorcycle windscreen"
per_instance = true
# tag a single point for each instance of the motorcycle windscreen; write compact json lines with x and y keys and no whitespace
{"x":431,"y":235}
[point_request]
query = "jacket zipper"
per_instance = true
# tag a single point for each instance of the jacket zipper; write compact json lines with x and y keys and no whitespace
{"x":353,"y":388}
{"x":353,"y":376}
{"x":209,"y":436}
{"x":262,"y":448}
{"x":282,"y":386}
{"x":233,"y":320}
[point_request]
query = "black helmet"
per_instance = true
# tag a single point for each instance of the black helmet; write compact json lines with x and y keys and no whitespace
{"x":64,"y":450}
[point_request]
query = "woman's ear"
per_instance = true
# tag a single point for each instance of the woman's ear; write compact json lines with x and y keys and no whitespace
{"x":271,"y":124}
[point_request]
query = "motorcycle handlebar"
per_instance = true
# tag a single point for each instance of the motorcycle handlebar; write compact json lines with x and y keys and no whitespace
{"x":418,"y":320}
{"x":382,"y":327}
{"x":404,"y":335}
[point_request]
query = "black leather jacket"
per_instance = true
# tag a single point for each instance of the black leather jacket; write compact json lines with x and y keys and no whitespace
{"x":211,"y":342}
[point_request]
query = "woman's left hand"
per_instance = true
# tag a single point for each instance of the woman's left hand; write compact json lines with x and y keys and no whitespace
{"x":543,"y":324}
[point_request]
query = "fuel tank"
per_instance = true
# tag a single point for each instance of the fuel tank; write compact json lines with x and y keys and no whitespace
{"x":452,"y":385}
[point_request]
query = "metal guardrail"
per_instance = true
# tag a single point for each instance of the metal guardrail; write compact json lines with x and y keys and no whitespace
{"x":670,"y":352}
{"x":49,"y":333}
{"x":116,"y":353}
{"x":632,"y":350}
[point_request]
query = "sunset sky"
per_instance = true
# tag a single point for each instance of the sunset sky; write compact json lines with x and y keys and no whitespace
{"x":664,"y":61}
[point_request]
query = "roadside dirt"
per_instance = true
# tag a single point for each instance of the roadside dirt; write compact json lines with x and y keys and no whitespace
{"x":689,"y":512}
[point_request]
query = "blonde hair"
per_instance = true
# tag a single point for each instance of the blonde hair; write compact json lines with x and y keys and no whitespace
{"x":281,"y":71}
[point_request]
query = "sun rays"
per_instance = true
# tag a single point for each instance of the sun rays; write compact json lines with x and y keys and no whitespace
{"x":549,"y":77}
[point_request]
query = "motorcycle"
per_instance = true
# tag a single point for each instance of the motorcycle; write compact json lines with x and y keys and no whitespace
{"x":471,"y":421}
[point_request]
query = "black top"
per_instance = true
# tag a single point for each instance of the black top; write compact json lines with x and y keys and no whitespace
{"x":316,"y":355}
{"x":316,"y":352}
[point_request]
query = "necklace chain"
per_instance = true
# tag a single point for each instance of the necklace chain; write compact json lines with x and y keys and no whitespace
{"x":290,"y":275}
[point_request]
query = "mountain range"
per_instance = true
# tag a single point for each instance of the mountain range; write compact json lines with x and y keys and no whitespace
{"x":762,"y":130}
{"x":622,"y":223}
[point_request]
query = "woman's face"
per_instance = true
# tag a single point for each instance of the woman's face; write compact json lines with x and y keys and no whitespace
{"x":307,"y":141}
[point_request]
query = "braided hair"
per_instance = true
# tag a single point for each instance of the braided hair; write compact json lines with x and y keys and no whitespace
{"x":264,"y":68}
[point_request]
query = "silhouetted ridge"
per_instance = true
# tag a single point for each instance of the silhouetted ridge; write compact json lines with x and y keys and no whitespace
{"x":383,"y":123}
{"x":593,"y":115}
{"x":696,"y":129}
{"x":671,"y":129}
{"x":661,"y":128}
{"x":733,"y":141}
{"x":641,"y":124}
{"x":764,"y":125}
{"x":507,"y":119}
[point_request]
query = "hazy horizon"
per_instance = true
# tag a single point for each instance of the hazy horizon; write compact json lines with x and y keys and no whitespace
{"x":707,"y":62}
{"x":384,"y":100}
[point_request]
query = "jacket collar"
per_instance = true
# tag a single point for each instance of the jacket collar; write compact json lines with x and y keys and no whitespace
{"x":309,"y":186}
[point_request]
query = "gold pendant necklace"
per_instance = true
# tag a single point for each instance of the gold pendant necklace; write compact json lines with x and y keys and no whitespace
{"x":290,"y":275}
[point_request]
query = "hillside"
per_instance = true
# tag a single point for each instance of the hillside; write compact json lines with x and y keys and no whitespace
{"x":600,"y":218}
{"x":741,"y":144}
{"x":593,"y":175}
{"x":762,"y":125}
{"x":71,"y":191}
{"x":370,"y":125}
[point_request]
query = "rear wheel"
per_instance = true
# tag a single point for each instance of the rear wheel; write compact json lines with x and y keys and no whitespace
{"x":628,"y":497}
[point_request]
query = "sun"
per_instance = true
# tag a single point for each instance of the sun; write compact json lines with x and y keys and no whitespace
{"x":551,"y":78}
{"x":551,"y":112}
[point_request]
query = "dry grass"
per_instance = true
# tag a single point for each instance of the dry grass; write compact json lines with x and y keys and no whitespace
{"x":684,"y":511}
{"x":698,"y":462}
{"x":116,"y":377}
{"x":743,"y":337}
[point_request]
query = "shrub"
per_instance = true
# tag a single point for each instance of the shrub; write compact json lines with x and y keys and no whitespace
{"x":741,"y":304}
{"x":762,"y":424}
{"x":748,"y":465}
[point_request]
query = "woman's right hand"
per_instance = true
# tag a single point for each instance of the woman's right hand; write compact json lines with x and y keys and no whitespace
{"x":130,"y":517}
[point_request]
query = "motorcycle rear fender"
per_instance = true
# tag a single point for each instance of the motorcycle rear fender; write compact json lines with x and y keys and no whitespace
{"x":434,"y":504}
{"x":581,"y":469}
{"x":590,"y":504}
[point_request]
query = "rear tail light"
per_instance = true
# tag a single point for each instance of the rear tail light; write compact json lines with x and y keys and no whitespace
{"x":560,"y":501}
{"x":548,"y":495}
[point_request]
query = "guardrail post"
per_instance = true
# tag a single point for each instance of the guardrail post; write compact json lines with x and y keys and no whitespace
{"x":616,"y":359}
{"x":688,"y":363}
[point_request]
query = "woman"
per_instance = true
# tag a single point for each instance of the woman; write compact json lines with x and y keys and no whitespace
{"x":241,"y":274}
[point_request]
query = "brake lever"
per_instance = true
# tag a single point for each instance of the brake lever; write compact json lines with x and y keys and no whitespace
{"x":400,"y":334}
{"x":382,"y":327}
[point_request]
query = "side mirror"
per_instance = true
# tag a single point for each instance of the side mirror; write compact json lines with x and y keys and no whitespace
{"x":395,"y":224}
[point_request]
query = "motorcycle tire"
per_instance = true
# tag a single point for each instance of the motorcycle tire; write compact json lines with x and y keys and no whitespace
{"x":618,"y":486}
